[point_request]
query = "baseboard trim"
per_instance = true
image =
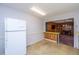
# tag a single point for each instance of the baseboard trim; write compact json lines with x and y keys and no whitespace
{"x":34,"y":42}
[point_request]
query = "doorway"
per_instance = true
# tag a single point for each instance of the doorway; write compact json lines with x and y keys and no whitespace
{"x":66,"y":29}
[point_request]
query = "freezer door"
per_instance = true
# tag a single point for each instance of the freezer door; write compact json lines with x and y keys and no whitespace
{"x":14,"y":24}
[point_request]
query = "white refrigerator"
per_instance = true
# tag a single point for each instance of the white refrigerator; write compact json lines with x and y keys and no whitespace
{"x":15,"y":36}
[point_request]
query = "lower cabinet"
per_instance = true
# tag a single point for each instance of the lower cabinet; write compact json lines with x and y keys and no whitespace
{"x":54,"y":36}
{"x":68,"y":40}
{"x":51,"y":36}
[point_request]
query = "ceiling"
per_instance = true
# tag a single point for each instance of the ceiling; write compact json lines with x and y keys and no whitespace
{"x":51,"y":9}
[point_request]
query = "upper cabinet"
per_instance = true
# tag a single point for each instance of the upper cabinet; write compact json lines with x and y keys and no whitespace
{"x":65,"y":28}
{"x":50,"y":26}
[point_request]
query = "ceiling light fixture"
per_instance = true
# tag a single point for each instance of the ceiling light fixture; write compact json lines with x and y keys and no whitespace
{"x":38,"y":11}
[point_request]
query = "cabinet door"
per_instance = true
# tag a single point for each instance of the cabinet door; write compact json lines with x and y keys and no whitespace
{"x":50,"y":26}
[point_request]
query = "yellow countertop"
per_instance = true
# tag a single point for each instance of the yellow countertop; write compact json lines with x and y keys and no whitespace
{"x":52,"y":32}
{"x":78,"y":33}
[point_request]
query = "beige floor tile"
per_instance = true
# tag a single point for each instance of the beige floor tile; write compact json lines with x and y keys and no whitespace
{"x":48,"y":48}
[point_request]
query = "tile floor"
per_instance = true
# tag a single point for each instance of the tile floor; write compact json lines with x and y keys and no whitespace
{"x":48,"y":48}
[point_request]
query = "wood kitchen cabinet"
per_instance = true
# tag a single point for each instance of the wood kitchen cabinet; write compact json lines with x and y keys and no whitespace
{"x":52,"y":36}
{"x":50,"y":27}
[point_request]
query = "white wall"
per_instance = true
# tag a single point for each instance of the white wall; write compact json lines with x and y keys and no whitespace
{"x":34,"y":25}
{"x":35,"y":30}
{"x":75,"y":15}
{"x":2,"y":38}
